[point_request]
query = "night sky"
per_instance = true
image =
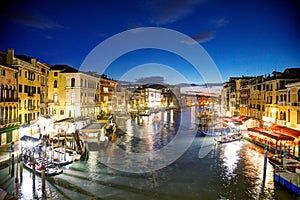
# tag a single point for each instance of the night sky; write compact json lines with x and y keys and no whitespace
{"x":242,"y":37}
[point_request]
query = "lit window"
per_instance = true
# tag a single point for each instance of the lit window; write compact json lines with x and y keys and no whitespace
{"x":3,"y":72}
{"x":55,"y":98}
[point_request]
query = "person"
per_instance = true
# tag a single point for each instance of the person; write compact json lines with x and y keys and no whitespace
{"x":12,"y":147}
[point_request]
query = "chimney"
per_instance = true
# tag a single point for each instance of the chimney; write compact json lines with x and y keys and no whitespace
{"x":33,"y":61}
{"x":10,"y":56}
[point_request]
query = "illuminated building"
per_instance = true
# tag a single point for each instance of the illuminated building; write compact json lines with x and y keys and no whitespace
{"x":72,"y":93}
{"x":107,"y":89}
{"x":44,"y":72}
{"x":9,"y":123}
{"x":28,"y":90}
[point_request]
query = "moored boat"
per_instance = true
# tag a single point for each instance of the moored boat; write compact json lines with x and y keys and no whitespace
{"x":229,"y":138}
{"x":50,"y":169}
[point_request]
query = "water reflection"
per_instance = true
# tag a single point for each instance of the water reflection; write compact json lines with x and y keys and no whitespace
{"x":230,"y":158}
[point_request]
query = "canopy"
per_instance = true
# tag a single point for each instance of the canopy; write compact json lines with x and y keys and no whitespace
{"x":27,"y":138}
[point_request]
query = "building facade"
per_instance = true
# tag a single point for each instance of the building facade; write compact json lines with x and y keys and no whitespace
{"x":72,"y":93}
{"x":271,"y":100}
{"x":9,"y":123}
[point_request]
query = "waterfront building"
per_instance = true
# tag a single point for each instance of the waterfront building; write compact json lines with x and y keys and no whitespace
{"x":121,"y":99}
{"x":272,"y":101}
{"x":28,"y":90}
{"x":293,"y":106}
{"x":107,"y":89}
{"x":170,"y":97}
{"x":72,"y":93}
{"x":231,"y":96}
{"x":44,"y":72}
{"x":9,"y":123}
{"x":152,"y":98}
{"x":257,"y":98}
{"x":245,"y":98}
{"x":278,"y":98}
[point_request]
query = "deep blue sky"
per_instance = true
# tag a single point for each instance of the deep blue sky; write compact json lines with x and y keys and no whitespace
{"x":242,"y":37}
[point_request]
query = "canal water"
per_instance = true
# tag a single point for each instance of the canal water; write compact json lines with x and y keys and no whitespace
{"x":204,"y":170}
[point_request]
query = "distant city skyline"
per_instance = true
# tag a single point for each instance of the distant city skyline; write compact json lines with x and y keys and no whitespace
{"x":241,"y":37}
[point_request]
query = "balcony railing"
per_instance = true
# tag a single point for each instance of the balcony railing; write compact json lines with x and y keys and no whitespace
{"x":282,"y":103}
{"x":294,"y":104}
{"x":281,"y":122}
{"x":8,"y":121}
{"x":9,"y":100}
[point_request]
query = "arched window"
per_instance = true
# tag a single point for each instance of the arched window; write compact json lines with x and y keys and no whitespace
{"x":73,"y":82}
{"x":299,"y":95}
{"x":289,"y":96}
{"x":55,"y":84}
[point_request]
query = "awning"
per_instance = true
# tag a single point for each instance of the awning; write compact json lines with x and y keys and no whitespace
{"x":27,"y":138}
{"x":276,"y":136}
{"x":10,"y":128}
{"x":286,"y":131}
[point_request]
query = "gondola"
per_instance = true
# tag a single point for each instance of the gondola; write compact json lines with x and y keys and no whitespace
{"x":50,"y":169}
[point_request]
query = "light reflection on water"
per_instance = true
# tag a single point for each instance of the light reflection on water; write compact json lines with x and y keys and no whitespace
{"x":230,"y":171}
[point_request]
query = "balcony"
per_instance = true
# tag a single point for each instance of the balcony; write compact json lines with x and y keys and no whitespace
{"x":282,"y":103}
{"x":294,"y":104}
{"x":9,"y":100}
{"x":27,"y":65}
{"x":9,"y":121}
{"x":281,"y":122}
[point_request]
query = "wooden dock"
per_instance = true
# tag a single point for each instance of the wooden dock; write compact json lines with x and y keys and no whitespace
{"x":288,"y":180}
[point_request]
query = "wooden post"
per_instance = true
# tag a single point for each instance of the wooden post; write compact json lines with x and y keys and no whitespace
{"x":16,"y":193}
{"x":276,"y":147}
{"x":294,"y":149}
{"x":21,"y":171}
{"x":284,"y":157}
{"x":280,"y":146}
{"x":43,"y":180}
{"x":65,"y":153}
{"x":12,"y":165}
{"x":9,"y":155}
{"x":266,"y":155}
{"x":33,"y":175}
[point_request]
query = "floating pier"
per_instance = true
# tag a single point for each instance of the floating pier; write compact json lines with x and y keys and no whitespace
{"x":288,"y":180}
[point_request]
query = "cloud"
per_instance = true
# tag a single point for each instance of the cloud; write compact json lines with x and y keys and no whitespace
{"x":168,"y":11}
{"x":200,"y":38}
{"x":151,"y":80}
{"x":35,"y":22}
{"x":219,"y":22}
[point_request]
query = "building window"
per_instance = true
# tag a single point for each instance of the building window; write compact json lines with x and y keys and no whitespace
{"x":289,"y":96}
{"x":55,"y":98}
{"x":298,"y":117}
{"x":73,"y":82}
{"x":55,"y":73}
{"x":298,"y":95}
{"x":3,"y":72}
{"x":61,"y":112}
{"x":25,"y":74}
{"x":73,"y":98}
{"x":55,"y":84}
{"x":20,"y":73}
{"x":20,"y":88}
